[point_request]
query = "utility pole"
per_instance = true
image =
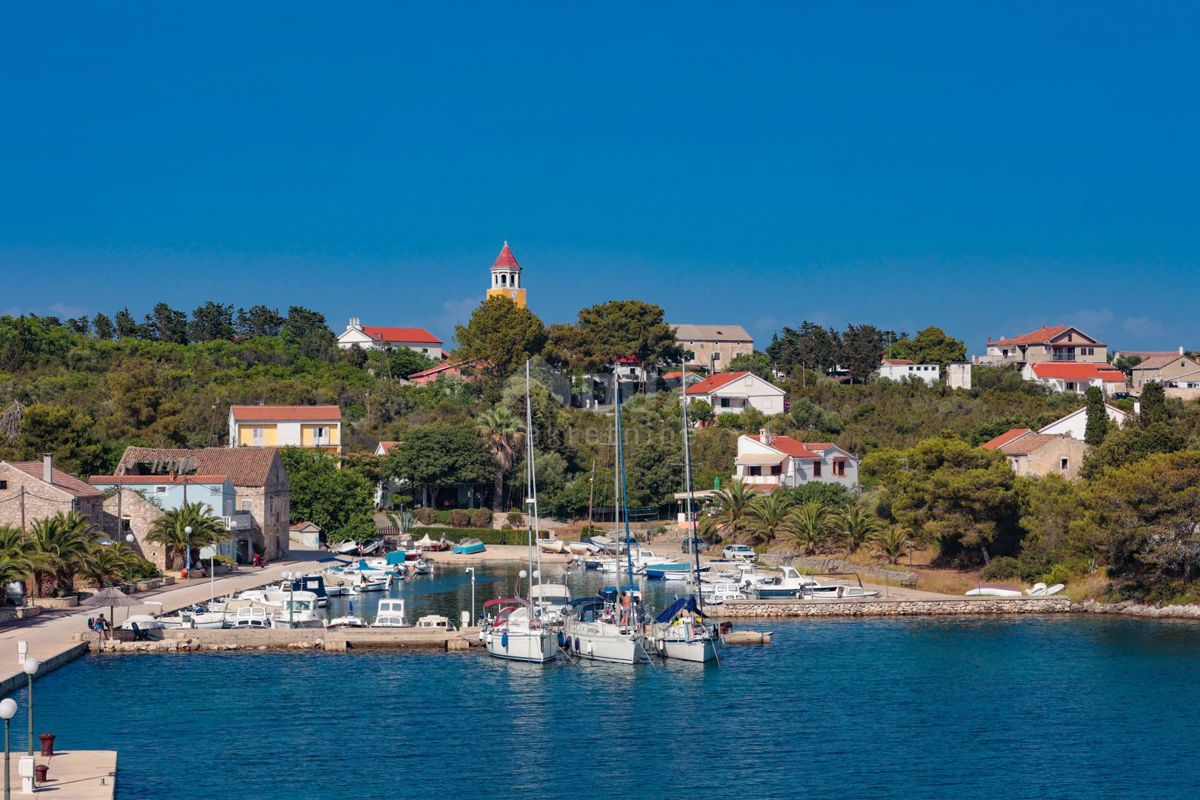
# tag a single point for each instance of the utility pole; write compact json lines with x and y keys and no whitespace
{"x":22,"y":509}
{"x":591,"y":494}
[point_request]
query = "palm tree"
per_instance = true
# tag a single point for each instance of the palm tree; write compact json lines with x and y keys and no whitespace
{"x":767,"y":515}
{"x":857,"y":525}
{"x":170,"y":530}
{"x":733,"y":504}
{"x":17,"y":561}
{"x":104,"y":563}
{"x":808,"y":525}
{"x":892,"y":542}
{"x":505,"y":435}
{"x":60,"y":546}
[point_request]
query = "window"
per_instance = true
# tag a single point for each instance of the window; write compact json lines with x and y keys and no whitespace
{"x":257,"y":436}
{"x":716,"y":356}
{"x":3,"y":485}
{"x":321,"y":432}
{"x":726,"y":402}
{"x":839,"y":469}
{"x":160,"y":490}
{"x":816,"y":469}
{"x":755,"y":471}
{"x":245,"y":504}
{"x":776,"y":470}
{"x":1064,"y":464}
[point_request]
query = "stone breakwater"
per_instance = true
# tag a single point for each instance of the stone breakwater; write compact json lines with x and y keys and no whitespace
{"x":332,"y":640}
{"x":1129,"y":608}
{"x":784,"y":609}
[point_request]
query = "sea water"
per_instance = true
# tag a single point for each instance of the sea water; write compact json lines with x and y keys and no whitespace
{"x":1019,"y":707}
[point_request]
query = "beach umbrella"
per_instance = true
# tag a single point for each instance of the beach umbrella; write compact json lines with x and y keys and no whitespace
{"x":112,"y":597}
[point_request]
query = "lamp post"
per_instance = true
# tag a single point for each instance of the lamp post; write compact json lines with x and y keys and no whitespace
{"x":8,"y":710}
{"x":471,"y":572}
{"x":187,"y":532}
{"x":31,"y":667}
{"x":290,"y":578}
{"x":522,"y":575}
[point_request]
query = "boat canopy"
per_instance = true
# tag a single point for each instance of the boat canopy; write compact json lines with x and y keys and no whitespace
{"x":395,"y":557}
{"x":682,"y":604}
{"x":505,"y":601}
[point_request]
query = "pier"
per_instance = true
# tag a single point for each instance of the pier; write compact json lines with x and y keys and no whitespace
{"x":74,"y":774}
{"x":334,"y":640}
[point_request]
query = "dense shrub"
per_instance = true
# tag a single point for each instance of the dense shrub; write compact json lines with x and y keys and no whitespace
{"x":481,"y":518}
{"x":515,"y":518}
{"x":425,"y":516}
{"x":999,"y":569}
{"x":441,"y":517}
{"x":459,"y":518}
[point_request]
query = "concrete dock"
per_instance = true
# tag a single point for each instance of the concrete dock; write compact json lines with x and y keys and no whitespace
{"x":74,"y":775}
{"x":334,"y":640}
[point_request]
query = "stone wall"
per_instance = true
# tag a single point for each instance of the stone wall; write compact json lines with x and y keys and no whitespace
{"x":781,"y":609}
{"x":139,"y":514}
{"x":41,"y":500}
{"x":1132,"y":609}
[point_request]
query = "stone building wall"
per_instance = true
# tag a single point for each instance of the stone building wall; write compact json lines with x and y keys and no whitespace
{"x":139,"y":515}
{"x":41,"y":500}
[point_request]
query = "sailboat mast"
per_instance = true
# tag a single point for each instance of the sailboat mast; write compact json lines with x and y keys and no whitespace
{"x":537,"y":516}
{"x":529,"y":486}
{"x":687,"y":481}
{"x":624,"y":506}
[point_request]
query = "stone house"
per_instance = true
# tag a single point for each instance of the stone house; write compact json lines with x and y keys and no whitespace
{"x":136,"y":515}
{"x":256,"y":473}
{"x":713,"y":346}
{"x":1038,"y":454}
{"x":1172,"y":370}
{"x":1051,"y":343}
{"x":34,"y":490}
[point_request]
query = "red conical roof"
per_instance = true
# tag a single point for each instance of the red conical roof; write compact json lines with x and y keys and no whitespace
{"x":506,"y":259}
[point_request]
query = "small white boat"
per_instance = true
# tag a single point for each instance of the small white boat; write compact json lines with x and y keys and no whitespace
{"x":298,"y":610}
{"x":1042,"y":590}
{"x":714,"y":594}
{"x":347,"y":621}
{"x":390,"y":614}
{"x":582,"y":548}
{"x":434,"y":622}
{"x":251,"y":617}
{"x":144,"y":622}
{"x":994,"y":590}
{"x":552,"y":545}
{"x":855,"y":593}
{"x":345,"y":548}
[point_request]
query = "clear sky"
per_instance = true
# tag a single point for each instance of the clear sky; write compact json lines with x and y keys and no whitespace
{"x":985,"y":167}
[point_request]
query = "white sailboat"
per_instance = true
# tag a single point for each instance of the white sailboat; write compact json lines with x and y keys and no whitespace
{"x":523,"y":635}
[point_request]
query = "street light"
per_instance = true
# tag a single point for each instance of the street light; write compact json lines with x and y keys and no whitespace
{"x":471,"y":572}
{"x":31,"y":667}
{"x":187,"y":531}
{"x":522,"y":575}
{"x":8,"y":710}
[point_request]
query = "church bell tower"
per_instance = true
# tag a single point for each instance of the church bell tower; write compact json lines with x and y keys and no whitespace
{"x":506,"y":277}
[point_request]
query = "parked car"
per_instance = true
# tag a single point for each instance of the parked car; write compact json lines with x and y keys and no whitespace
{"x":740,"y":552}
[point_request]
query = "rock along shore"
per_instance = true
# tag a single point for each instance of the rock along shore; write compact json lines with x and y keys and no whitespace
{"x":782,"y":609}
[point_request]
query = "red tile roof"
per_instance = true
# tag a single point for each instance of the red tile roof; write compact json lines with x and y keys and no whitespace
{"x":299,"y":526}
{"x":286,"y":413}
{"x":898,"y":362}
{"x":1040,"y":336}
{"x":245,"y":466}
{"x":1025,"y":445}
{"x":1071,"y":371}
{"x":1010,"y":435}
{"x":714,"y":382}
{"x":400,"y":335}
{"x":387,"y":446}
{"x":506,"y":259}
{"x":59,"y":479}
{"x":788,"y":445}
{"x":153,"y":480}
{"x":445,"y":365}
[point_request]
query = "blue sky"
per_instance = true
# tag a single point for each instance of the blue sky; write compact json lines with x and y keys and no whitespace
{"x":985,"y":168}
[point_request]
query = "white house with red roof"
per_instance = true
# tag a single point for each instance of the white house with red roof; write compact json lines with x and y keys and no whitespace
{"x":901,"y":369}
{"x":377,"y":337}
{"x":1078,"y":378}
{"x":768,"y":461}
{"x":1050,"y":343}
{"x":318,"y":427}
{"x":734,"y":392}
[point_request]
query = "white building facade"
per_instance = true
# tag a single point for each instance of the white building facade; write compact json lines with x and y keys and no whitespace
{"x":734,"y":392}
{"x":900,"y":369}
{"x":768,"y":461}
{"x":380,"y":337}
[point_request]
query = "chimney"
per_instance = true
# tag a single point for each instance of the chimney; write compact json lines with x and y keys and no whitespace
{"x":47,"y":468}
{"x":1180,"y":349}
{"x":764,"y":435}
{"x":355,"y":323}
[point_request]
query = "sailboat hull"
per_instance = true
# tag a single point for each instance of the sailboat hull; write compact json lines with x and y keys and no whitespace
{"x":603,"y":642}
{"x":537,"y":647}
{"x":697,"y":650}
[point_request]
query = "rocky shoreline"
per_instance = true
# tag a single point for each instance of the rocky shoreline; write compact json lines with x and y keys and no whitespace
{"x":782,"y":609}
{"x":1130,"y":608}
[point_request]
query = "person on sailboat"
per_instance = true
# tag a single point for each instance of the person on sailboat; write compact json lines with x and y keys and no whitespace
{"x":626,"y":607}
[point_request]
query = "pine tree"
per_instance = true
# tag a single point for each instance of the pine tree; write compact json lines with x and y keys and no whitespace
{"x":1097,"y":417}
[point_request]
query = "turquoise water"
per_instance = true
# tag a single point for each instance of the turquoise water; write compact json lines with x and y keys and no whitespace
{"x":925,"y":708}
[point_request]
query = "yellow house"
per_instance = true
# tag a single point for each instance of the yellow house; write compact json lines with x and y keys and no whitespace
{"x":317,"y":427}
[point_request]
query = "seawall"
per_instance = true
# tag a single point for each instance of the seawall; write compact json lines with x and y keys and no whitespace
{"x":785,"y":609}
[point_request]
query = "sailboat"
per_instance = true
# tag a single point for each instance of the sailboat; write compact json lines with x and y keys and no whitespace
{"x":680,"y":632}
{"x":522,"y":635}
{"x":605,"y":627}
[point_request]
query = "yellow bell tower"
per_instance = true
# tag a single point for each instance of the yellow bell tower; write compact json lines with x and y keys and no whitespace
{"x":506,"y":277}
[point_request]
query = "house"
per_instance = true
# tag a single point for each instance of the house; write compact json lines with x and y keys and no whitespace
{"x":1172,"y":370}
{"x":126,"y":512}
{"x":713,"y":346}
{"x":259,"y":480}
{"x":34,"y":490}
{"x":383,"y":448}
{"x":1075,"y":423}
{"x":305,"y":535}
{"x":1067,"y":377}
{"x":1038,"y":454}
{"x":506,"y":277}
{"x":375,"y":337}
{"x":318,"y":427}
{"x":463,"y":369}
{"x":124,"y":515}
{"x":1052,"y":343}
{"x":768,"y":461}
{"x":733,"y":392}
{"x":899,"y":369}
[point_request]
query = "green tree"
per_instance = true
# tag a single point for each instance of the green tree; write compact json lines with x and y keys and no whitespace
{"x":59,"y":547}
{"x":17,"y":559}
{"x":69,"y":434}
{"x":807,"y":525}
{"x":861,"y":351}
{"x":655,"y":472}
{"x":306,"y":330}
{"x":439,"y":455}
{"x":857,"y":525}
{"x":1129,"y":445}
{"x":259,"y":321}
{"x":505,"y":437}
{"x":1127,"y":363}
{"x":166,"y":324}
{"x":767,"y":516}
{"x":339,"y":500}
{"x":1097,"y":417}
{"x":733,"y":506}
{"x":615,"y":330}
{"x":892,"y":542}
{"x":930,"y":346}
{"x":811,"y":348}
{"x":171,"y":530}
{"x":757,"y":362}
{"x":211,"y":321}
{"x":103,"y":327}
{"x":127,"y":327}
{"x":79,"y":325}
{"x":1153,"y":405}
{"x":502,"y":335}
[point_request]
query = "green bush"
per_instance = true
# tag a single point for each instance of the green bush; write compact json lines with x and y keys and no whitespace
{"x":1065,"y":571}
{"x":481,"y":518}
{"x":515,"y":518}
{"x":441,"y":517}
{"x":999,"y":569}
{"x":485,"y":535}
{"x":459,"y":518}
{"x":425,"y":516}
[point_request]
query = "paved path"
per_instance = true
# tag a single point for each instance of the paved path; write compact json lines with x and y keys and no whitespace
{"x":76,"y":774}
{"x":51,"y":636}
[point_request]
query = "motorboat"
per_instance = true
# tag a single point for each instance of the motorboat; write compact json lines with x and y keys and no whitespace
{"x":714,"y":594}
{"x":251,"y":616}
{"x":855,"y":593}
{"x":468,"y":547}
{"x":144,"y":622}
{"x":994,"y":590}
{"x":673,"y":571}
{"x":551,"y":600}
{"x":680,"y":633}
{"x":298,"y":610}
{"x":552,"y":545}
{"x":596,"y":629}
{"x":390,"y":614}
{"x":422,"y":566}
{"x":434,"y":622}
{"x":788,"y":584}
{"x":348,"y":621}
{"x":518,"y":635}
{"x":345,"y":548}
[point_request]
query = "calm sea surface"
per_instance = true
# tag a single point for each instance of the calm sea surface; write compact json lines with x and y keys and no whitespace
{"x":926,"y":708}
